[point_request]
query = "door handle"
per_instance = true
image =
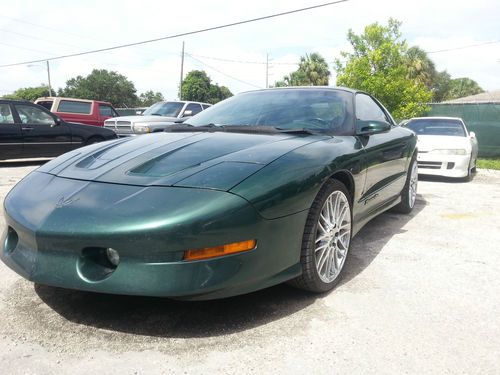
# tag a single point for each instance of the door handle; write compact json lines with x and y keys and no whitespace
{"x":28,"y":128}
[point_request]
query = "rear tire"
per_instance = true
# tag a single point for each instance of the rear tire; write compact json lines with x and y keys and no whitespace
{"x":326,"y":239}
{"x":409,"y":193}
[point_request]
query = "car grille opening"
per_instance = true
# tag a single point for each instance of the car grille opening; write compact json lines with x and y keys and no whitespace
{"x":97,"y":263}
{"x":11,"y":240}
{"x":430,"y":164}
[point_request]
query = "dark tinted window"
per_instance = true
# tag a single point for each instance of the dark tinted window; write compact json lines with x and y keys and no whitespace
{"x":368,"y":110}
{"x":32,"y":115}
{"x":319,"y":110}
{"x":448,"y":127}
{"x":169,"y":109}
{"x":205,"y":106}
{"x":194,"y":108}
{"x":74,"y":107}
{"x":46,"y":103}
{"x":6,"y":114}
{"x":106,"y":110}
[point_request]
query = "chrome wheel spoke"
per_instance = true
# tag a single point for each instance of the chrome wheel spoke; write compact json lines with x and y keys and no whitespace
{"x":333,"y":235}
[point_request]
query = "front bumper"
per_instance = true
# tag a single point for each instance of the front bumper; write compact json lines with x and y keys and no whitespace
{"x":49,"y":241}
{"x":443,"y":165}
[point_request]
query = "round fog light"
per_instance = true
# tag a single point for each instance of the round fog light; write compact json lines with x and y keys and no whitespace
{"x":113,"y":256}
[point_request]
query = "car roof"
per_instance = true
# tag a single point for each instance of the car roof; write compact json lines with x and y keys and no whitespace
{"x":436,"y":118}
{"x":72,"y":99}
{"x":181,"y":101}
{"x":312,"y":88}
{"x":17,"y":101}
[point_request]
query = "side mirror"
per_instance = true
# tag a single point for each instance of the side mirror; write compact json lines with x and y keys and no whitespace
{"x":188,"y":113}
{"x":472,"y":135}
{"x":57,"y":122}
{"x":371,"y":127}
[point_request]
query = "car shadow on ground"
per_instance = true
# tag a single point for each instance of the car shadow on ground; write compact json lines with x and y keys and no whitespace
{"x":161,"y":317}
{"x":450,"y":180}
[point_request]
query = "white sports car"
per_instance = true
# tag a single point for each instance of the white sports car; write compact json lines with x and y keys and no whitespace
{"x":445,"y":146}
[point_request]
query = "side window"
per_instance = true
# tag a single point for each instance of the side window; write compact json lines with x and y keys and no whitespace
{"x":368,"y":110}
{"x":6,"y":114}
{"x":33,"y":115}
{"x":106,"y":110}
{"x":194,"y":108}
{"x":70,"y":106}
{"x":205,"y":106}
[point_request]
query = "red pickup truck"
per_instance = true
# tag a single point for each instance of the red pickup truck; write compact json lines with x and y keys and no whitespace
{"x":88,"y":112}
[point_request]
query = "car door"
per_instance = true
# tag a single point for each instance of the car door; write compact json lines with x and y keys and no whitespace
{"x":191,"y":110}
{"x":385,"y":158}
{"x":11,"y":142}
{"x":43,"y":134}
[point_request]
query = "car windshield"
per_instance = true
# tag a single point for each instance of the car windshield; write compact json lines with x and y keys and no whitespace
{"x":449,"y":127}
{"x":169,"y":109}
{"x":327,"y":111}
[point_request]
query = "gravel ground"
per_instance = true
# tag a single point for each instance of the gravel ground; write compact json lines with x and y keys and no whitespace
{"x":420,"y":294}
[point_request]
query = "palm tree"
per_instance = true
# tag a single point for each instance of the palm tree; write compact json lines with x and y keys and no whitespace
{"x":315,"y":69}
{"x":420,"y":67}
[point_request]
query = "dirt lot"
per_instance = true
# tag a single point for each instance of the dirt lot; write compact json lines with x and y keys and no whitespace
{"x":420,"y":295}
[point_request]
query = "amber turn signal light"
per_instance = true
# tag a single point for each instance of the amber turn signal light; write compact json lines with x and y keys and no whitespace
{"x":221,"y":250}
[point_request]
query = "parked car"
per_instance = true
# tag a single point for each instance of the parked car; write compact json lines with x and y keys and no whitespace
{"x":156,"y":118}
{"x":131,"y":111}
{"x":28,"y":130}
{"x":82,"y":111}
{"x":445,"y":146}
{"x":265,"y":187}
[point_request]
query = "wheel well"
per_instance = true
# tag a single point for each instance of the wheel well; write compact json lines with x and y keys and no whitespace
{"x":347,"y":180}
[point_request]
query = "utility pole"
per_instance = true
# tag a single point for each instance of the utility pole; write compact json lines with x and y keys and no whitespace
{"x":182,"y":71}
{"x":48,"y":75}
{"x":267,"y":70}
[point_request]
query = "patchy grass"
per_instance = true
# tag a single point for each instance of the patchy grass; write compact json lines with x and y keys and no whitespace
{"x":488,"y":163}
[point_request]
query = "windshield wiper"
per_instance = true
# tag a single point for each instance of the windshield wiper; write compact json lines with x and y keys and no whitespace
{"x":297,"y":131}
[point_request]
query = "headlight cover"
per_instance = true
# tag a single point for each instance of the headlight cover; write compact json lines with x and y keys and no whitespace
{"x":454,"y":151}
{"x":141,"y":128}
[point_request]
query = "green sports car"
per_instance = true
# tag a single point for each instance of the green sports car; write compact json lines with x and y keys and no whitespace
{"x":265,"y":187}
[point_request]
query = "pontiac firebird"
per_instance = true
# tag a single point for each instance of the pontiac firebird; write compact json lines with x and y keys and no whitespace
{"x":265,"y":187}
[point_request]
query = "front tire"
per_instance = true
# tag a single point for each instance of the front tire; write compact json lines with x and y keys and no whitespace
{"x":326,"y":239}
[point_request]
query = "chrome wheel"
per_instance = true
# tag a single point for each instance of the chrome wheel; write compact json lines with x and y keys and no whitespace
{"x":412,"y":186}
{"x":333,"y":235}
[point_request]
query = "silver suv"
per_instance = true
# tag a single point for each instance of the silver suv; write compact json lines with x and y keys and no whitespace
{"x":155,"y":119}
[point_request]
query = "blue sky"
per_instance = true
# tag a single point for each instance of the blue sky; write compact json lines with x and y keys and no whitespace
{"x":35,"y":30}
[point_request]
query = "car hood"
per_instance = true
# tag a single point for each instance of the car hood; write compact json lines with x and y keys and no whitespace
{"x":215,"y":160}
{"x":139,"y":118}
{"x":428,"y":143}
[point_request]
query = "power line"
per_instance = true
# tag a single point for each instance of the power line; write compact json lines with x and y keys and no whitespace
{"x":224,"y":74}
{"x":464,"y":47}
{"x":38,"y":38}
{"x":180,"y":34}
{"x":243,"y":61}
{"x":27,"y":49}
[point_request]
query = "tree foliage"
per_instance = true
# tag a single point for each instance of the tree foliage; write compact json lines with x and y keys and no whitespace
{"x":29,"y":93}
{"x":104,"y":85}
{"x":197,"y":86}
{"x":460,"y":87}
{"x":378,"y":65}
{"x":312,"y":71}
{"x":149,"y":98}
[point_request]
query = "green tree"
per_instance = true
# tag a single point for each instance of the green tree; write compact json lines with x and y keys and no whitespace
{"x":104,"y":85}
{"x":460,"y":87}
{"x":149,"y":98}
{"x":420,"y":67}
{"x":378,"y":65}
{"x":312,"y":71}
{"x":441,"y":86}
{"x":29,"y":93}
{"x":197,"y":86}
